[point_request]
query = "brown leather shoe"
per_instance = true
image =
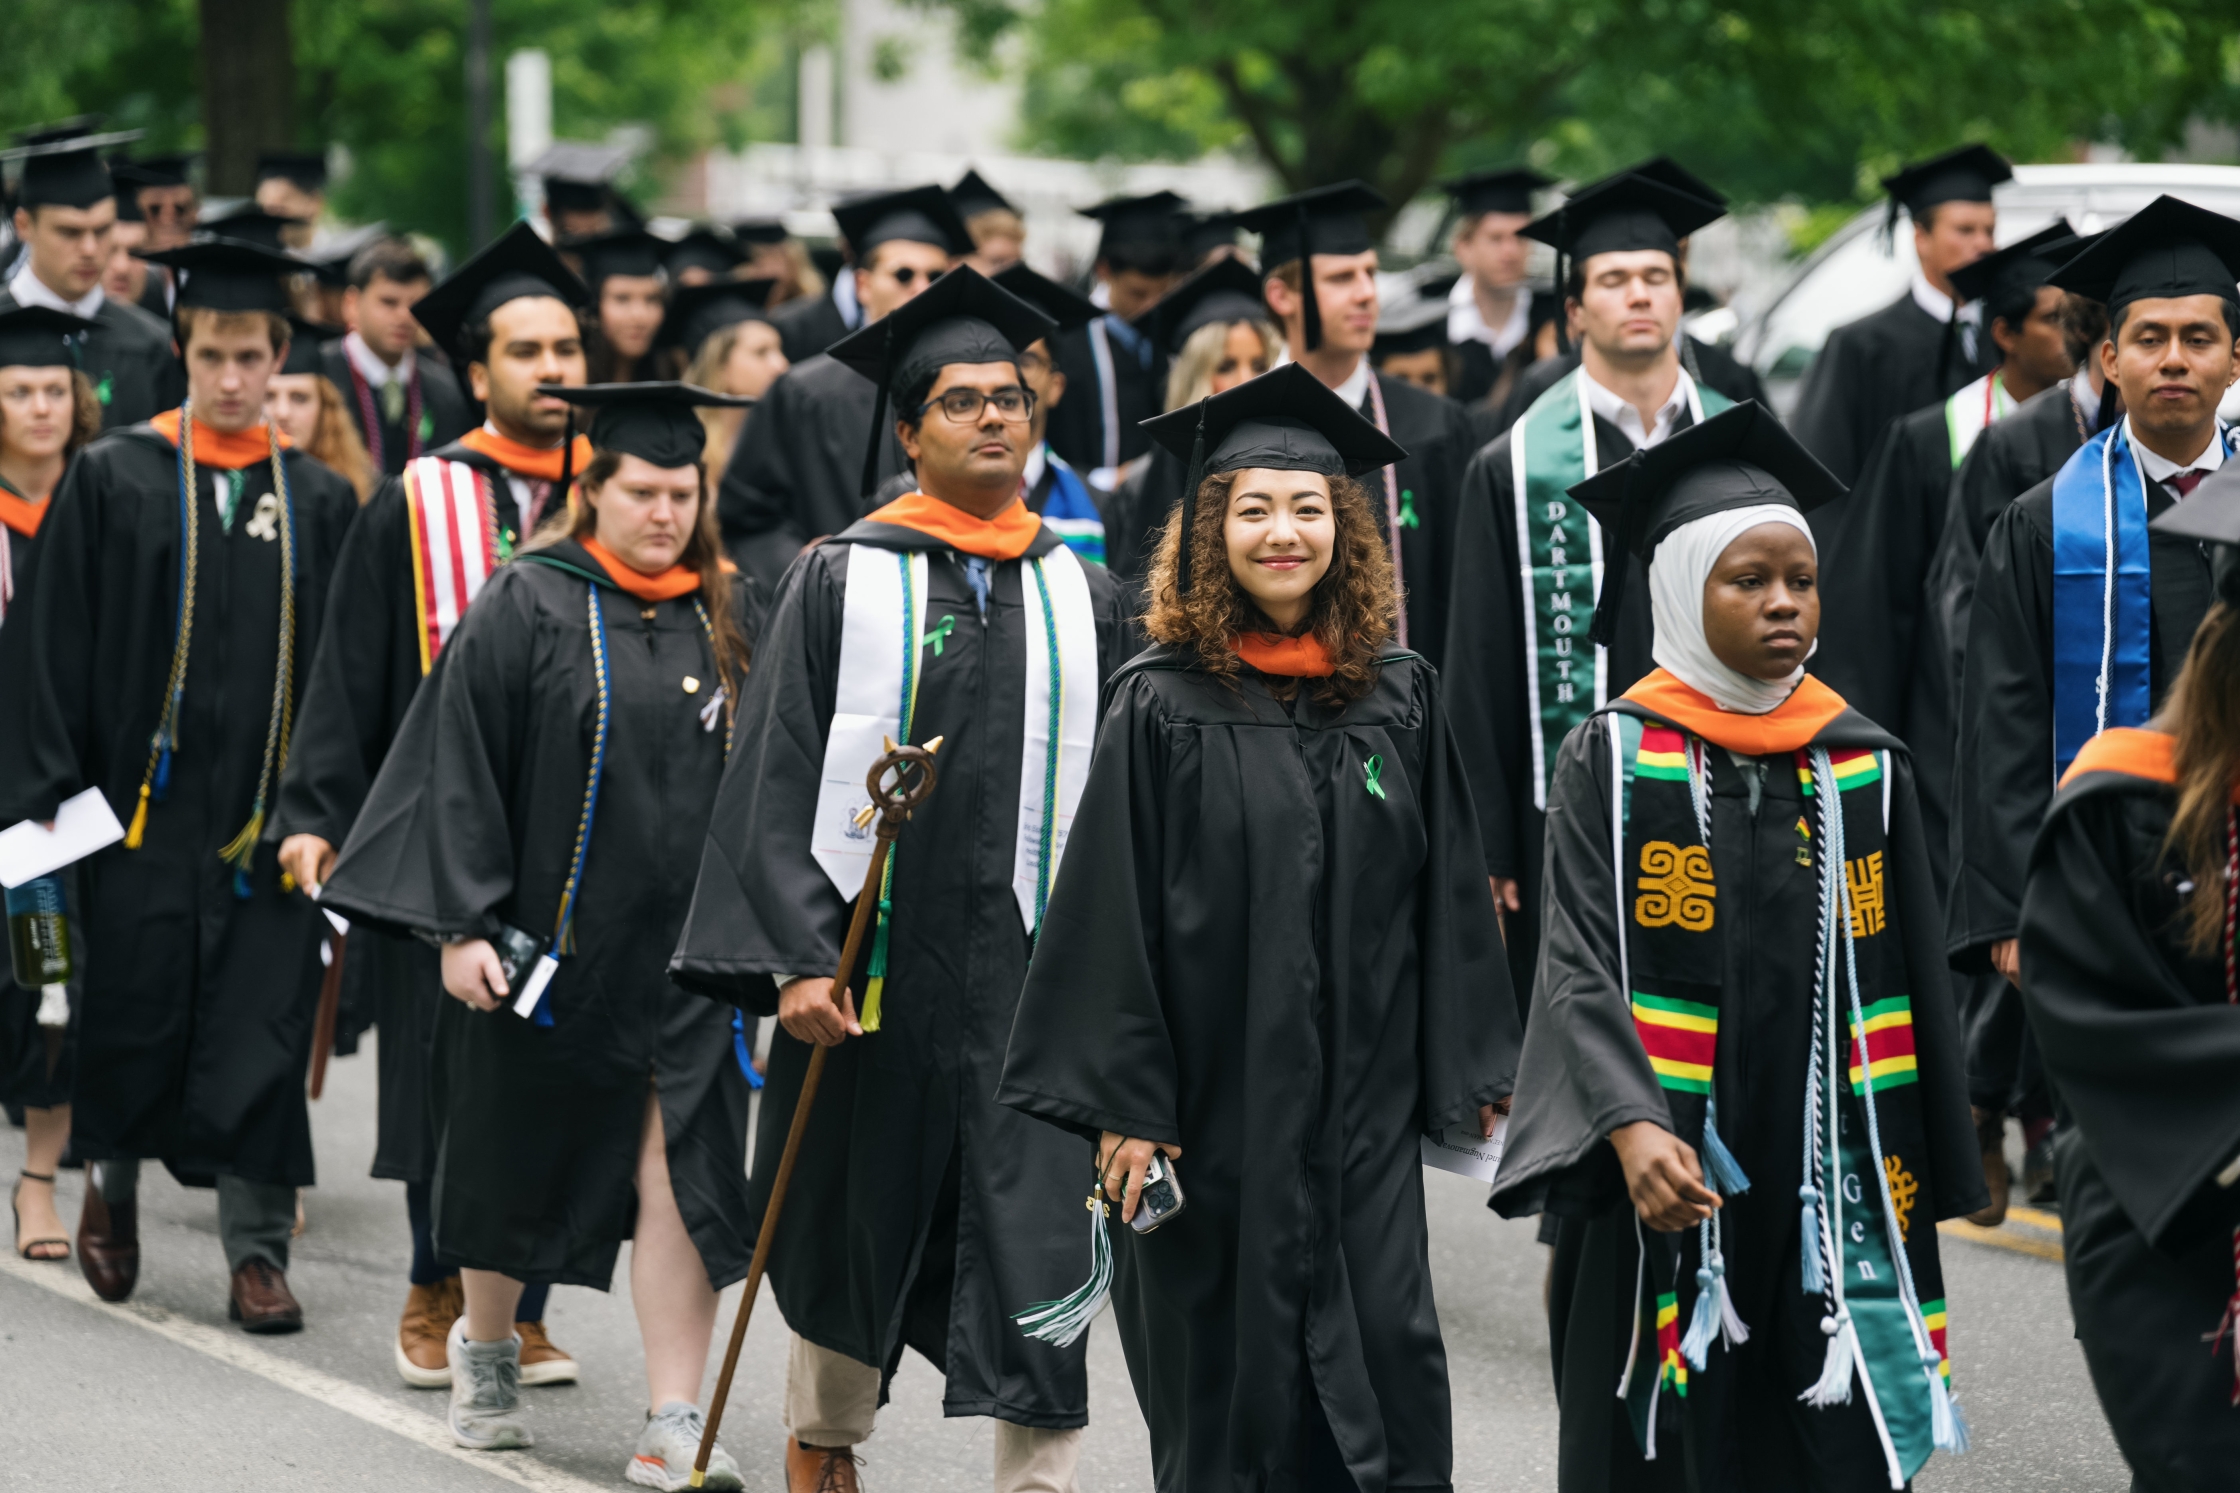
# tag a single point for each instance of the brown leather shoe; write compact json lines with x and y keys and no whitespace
{"x":429,"y":1312}
{"x":262,"y":1301}
{"x":108,"y":1244}
{"x":1991,"y":1139}
{"x":542,"y":1360}
{"x":820,"y":1469}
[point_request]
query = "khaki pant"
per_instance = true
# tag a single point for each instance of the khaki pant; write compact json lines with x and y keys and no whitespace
{"x":831,"y":1400}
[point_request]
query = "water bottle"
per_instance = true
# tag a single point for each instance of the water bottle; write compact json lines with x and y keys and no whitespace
{"x":38,"y":934}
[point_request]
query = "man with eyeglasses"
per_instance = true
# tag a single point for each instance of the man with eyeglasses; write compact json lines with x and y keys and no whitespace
{"x":954,"y":612}
{"x":800,"y":471}
{"x":66,"y":216}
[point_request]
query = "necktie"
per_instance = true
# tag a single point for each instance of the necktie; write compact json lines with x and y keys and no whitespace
{"x":392,"y":401}
{"x":2186,"y":481}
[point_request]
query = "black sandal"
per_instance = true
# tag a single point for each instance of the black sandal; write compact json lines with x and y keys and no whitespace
{"x":25,"y":1250}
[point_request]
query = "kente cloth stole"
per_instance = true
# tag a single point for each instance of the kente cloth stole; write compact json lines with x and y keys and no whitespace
{"x":1972,"y":411}
{"x":1559,"y":558}
{"x":1875,"y":1257}
{"x":455,"y":546}
{"x":2103,"y":594}
{"x":885,"y":647}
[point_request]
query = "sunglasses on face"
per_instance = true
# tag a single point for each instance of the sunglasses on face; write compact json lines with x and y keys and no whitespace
{"x":907,"y":275}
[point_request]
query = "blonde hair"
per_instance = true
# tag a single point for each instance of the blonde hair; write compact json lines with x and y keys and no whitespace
{"x":706,"y":370}
{"x":335,"y":441}
{"x":1190,"y":378}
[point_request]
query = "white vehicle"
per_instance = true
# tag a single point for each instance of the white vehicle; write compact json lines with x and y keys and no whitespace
{"x":1854,"y":273}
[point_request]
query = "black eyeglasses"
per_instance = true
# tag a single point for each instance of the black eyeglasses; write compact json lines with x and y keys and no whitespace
{"x":907,"y":275}
{"x":964,"y":405}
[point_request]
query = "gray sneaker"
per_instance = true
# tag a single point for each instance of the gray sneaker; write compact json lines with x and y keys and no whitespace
{"x":485,"y":1392}
{"x":668,"y":1446}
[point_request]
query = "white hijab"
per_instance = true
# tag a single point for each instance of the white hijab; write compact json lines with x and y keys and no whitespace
{"x":1677,"y":571}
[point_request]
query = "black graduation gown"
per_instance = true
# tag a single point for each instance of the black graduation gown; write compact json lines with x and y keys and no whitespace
{"x":1707,"y":363}
{"x":1077,"y":430}
{"x":127,"y":357}
{"x":1873,"y":370}
{"x":797,"y":472}
{"x":444,"y":413}
{"x":958,"y":1211}
{"x":363,"y":680}
{"x":809,"y":325}
{"x":198,"y":1003}
{"x":2003,"y":776}
{"x":471,"y":824}
{"x":2145,"y":1055}
{"x":1584,"y":1074}
{"x":1296,"y":1068}
{"x":1485,"y":672}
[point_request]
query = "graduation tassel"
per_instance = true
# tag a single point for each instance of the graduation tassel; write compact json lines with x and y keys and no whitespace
{"x":1060,"y":1322}
{"x":1195,"y":476}
{"x":1834,"y":1384}
{"x":1310,"y":299}
{"x":1727,"y":1177}
{"x":1616,"y":562}
{"x":1815,"y":1279}
{"x":870,"y":483}
{"x":156,"y":781}
{"x":139,"y":826}
{"x":875,"y":971}
{"x":1948,"y":1428}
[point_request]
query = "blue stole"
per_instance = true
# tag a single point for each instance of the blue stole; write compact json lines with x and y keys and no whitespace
{"x":1070,"y":512}
{"x":2103,"y":595}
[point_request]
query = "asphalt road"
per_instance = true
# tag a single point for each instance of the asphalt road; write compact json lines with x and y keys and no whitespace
{"x":164,"y":1393}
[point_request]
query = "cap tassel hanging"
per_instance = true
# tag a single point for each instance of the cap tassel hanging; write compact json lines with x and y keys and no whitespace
{"x":1563,"y":300}
{"x":1060,"y":1322}
{"x":562,"y":493}
{"x":1310,"y":299}
{"x":1195,"y":476}
{"x":2111,"y":405}
{"x":870,"y":484}
{"x":1616,"y":561}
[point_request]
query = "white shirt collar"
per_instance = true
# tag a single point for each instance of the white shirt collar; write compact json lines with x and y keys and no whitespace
{"x":1937,"y":303}
{"x":2160,"y":469}
{"x":1355,"y":389}
{"x":372,"y":369}
{"x":29,"y":290}
{"x":1628,"y":419}
{"x":1465,"y":323}
{"x":1038,"y":462}
{"x":844,"y":297}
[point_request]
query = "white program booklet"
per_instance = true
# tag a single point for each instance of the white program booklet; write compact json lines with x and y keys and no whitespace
{"x":82,"y":825}
{"x":1461,"y":1150}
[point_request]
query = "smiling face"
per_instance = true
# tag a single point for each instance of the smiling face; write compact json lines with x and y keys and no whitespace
{"x":1280,"y":532}
{"x":1761,"y":602}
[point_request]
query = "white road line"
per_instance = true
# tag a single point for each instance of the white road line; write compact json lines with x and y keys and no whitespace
{"x":240,"y":1351}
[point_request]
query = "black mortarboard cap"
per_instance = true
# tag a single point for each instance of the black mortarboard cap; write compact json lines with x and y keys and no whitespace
{"x":1964,"y":175}
{"x":306,"y":168}
{"x":152,"y":171}
{"x":652,"y":421}
{"x":62,"y":166}
{"x":253,"y":225}
{"x":1146,"y":228}
{"x":517,"y":263}
{"x":1286,"y":420}
{"x":619,"y":251}
{"x":303,"y":345}
{"x":2022,"y":265}
{"x":53,"y":132}
{"x":1508,"y":190}
{"x":963,"y":317}
{"x":705,"y":247}
{"x":227,"y":274}
{"x":578,"y":175}
{"x":1063,"y":304}
{"x":1678,"y":177}
{"x":1224,"y":291}
{"x":697,"y":312}
{"x":2168,"y":248}
{"x":1203,"y":233}
{"x":1739,"y":458}
{"x":1622,"y":212}
{"x":760,"y":230}
{"x":973,"y":195}
{"x":39,"y":337}
{"x":1323,"y":220}
{"x":332,"y":262}
{"x":918,"y":215}
{"x":128,"y":197}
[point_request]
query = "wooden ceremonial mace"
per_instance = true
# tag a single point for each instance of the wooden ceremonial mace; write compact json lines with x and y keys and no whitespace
{"x":891,"y":808}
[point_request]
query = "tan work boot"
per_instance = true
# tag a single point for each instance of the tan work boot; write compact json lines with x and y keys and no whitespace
{"x":543,"y":1361}
{"x":820,"y":1469}
{"x":429,"y":1312}
{"x":1991,"y":1139}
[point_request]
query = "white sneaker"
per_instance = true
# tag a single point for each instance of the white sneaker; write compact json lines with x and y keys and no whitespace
{"x":669,"y":1445}
{"x":485,"y":1392}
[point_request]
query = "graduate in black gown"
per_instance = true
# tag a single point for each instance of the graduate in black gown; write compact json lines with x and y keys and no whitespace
{"x":200,"y":959}
{"x":1325,"y":232}
{"x":1926,"y":343}
{"x":1517,"y":688}
{"x":402,"y":397}
{"x":2127,"y":968}
{"x":48,"y":412}
{"x":401,"y":587}
{"x":1739,"y":887}
{"x":1275,"y":755}
{"x":1117,"y":372}
{"x":951,"y":613}
{"x":548,"y":794}
{"x":2062,"y":645}
{"x":63,"y":191}
{"x":1490,"y":317}
{"x":800,"y":471}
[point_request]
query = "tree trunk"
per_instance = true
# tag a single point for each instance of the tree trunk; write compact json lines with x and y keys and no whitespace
{"x":248,"y":88}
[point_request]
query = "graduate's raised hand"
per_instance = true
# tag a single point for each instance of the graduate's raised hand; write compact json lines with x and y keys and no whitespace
{"x":1123,"y":1163}
{"x":808,"y":1013}
{"x":472,"y":973}
{"x":1663,"y":1176}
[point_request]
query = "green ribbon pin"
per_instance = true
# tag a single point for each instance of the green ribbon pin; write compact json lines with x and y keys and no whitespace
{"x":1371,"y":770}
{"x":1408,"y":509}
{"x":939,"y":635}
{"x":106,"y":389}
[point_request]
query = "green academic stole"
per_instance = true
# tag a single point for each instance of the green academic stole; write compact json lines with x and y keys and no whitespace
{"x":1869,"y":1255}
{"x":1559,"y":560}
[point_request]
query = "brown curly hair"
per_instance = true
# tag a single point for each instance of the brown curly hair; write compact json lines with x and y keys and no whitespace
{"x":1351,"y":612}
